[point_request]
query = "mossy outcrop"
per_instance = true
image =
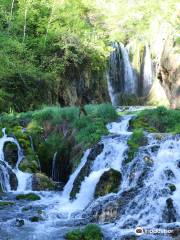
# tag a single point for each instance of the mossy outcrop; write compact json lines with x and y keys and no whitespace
{"x":137,"y":140}
{"x":11,"y":153}
{"x":85,"y":171}
{"x":28,"y":197}
{"x":109,"y":182}
{"x":40,"y":182}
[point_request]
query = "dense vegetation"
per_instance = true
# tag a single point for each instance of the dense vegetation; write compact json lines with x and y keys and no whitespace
{"x":46,"y":44}
{"x":160,"y":120}
{"x":55,"y":129}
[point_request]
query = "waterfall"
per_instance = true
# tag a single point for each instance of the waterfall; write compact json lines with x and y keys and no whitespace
{"x":121,"y":76}
{"x":6,"y":170}
{"x":129,"y":76}
{"x":147,"y":72}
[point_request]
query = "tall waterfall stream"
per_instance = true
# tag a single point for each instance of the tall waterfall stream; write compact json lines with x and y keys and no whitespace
{"x":144,"y":198}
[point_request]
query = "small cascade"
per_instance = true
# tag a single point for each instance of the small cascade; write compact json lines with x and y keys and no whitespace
{"x":55,"y":172}
{"x":121,"y":77}
{"x":8,"y":172}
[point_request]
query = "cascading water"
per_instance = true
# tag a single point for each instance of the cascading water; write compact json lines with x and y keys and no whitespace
{"x":6,"y":170}
{"x":149,"y":193}
{"x":121,"y":76}
{"x":147,"y":72}
{"x":126,"y":78}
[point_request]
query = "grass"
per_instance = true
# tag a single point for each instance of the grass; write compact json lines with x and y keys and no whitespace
{"x":160,"y":120}
{"x":137,"y":139}
{"x":90,"y":232}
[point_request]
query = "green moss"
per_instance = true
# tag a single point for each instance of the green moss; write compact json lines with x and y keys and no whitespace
{"x":90,"y":232}
{"x":136,"y":140}
{"x":108,"y":182}
{"x":4,"y":204}
{"x":161,"y":120}
{"x":29,"y":197}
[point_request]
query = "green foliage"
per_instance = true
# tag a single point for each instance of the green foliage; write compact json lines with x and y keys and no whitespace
{"x":40,"y":43}
{"x":29,"y":197}
{"x":136,"y":140}
{"x":46,"y":125}
{"x":160,"y":119}
{"x":90,"y":232}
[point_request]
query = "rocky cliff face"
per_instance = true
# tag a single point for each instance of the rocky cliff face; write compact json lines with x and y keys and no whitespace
{"x":82,"y":86}
{"x":167,"y":59}
{"x":168,"y":71}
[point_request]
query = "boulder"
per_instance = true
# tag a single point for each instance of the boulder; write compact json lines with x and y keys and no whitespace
{"x":12,"y":180}
{"x":109,"y":182}
{"x":19,"y":222}
{"x":85,"y":170}
{"x":169,"y":214}
{"x":11,"y":153}
{"x":40,"y":182}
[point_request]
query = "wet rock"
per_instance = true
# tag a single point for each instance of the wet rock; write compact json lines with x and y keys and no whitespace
{"x":176,"y":233}
{"x":40,"y":182}
{"x":148,"y":160}
{"x":172,"y":187}
{"x":178,"y":163}
{"x":169,"y":214}
{"x":109,"y":182}
{"x":36,"y":219}
{"x":169,"y":174}
{"x":155,"y":148}
{"x":19,"y":222}
{"x":130,"y":223}
{"x":85,"y":171}
{"x":109,"y":208}
{"x":62,"y":166}
{"x":11,"y":153}
{"x":12,"y":180}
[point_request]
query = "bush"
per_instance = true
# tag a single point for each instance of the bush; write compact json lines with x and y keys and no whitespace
{"x":90,"y":232}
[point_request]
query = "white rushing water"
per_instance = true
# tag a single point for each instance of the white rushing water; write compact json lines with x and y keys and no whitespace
{"x":147,"y":72}
{"x":24,"y":179}
{"x":145,"y":192}
{"x":129,"y":76}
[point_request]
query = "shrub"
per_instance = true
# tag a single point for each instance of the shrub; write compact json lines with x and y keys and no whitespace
{"x":90,"y":232}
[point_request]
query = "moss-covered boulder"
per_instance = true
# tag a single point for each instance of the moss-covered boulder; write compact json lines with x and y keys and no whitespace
{"x":109,"y":182}
{"x":136,"y":140}
{"x":29,"y":197}
{"x":40,"y":182}
{"x":29,"y":164}
{"x":85,"y":170}
{"x":11,"y":153}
